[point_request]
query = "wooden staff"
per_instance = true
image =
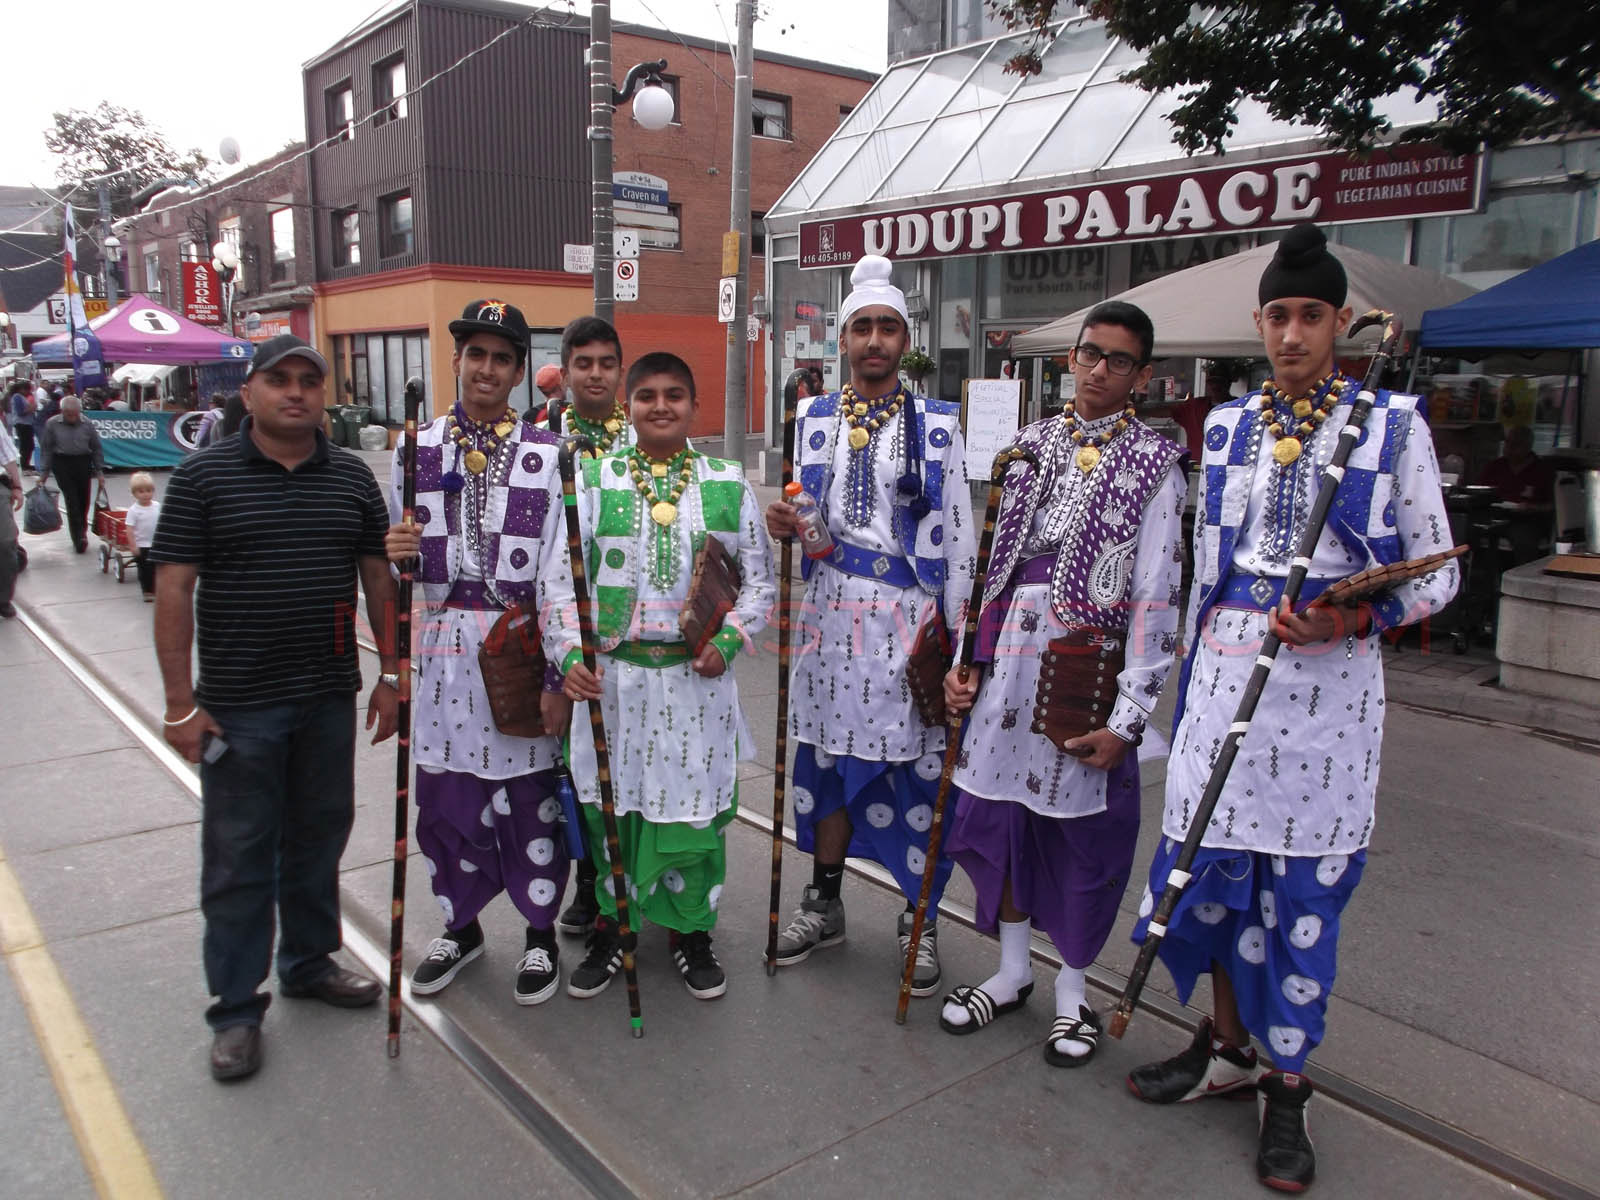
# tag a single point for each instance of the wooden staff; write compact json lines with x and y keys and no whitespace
{"x":952,"y":746}
{"x":1178,"y":877}
{"x":597,"y":724}
{"x":780,"y":768}
{"x":402,"y":766}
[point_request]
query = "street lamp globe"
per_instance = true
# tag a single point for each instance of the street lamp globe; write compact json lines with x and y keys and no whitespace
{"x":653,"y":107}
{"x":224,"y":257}
{"x":113,"y":245}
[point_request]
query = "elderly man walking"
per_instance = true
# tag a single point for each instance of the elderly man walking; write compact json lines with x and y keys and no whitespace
{"x":261,"y":539}
{"x":70,"y":450}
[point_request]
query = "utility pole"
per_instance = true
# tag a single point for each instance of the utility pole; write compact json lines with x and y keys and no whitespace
{"x":108,"y":269}
{"x":736,"y":406}
{"x":601,"y":156}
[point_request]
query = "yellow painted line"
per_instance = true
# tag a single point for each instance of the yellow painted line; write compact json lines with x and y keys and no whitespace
{"x":112,"y":1152}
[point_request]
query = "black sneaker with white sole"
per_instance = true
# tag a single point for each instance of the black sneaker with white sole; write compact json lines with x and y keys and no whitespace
{"x":538,"y":975}
{"x":602,"y":960}
{"x":697,"y":963}
{"x":444,"y":958}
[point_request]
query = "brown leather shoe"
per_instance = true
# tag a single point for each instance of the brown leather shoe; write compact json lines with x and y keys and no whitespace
{"x":236,"y":1052}
{"x":340,"y":988}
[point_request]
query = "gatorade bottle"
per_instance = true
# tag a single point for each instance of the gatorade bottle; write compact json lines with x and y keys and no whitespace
{"x":815,"y":540}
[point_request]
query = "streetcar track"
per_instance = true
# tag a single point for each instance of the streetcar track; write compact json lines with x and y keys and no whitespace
{"x":581,"y":1160}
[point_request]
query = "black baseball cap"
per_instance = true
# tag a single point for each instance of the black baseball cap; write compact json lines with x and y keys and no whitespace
{"x":492,"y":316}
{"x":275,"y":349}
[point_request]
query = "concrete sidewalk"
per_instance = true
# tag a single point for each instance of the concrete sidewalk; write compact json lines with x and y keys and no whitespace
{"x":1484,"y":835}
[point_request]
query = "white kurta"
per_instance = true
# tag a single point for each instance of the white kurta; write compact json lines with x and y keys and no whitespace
{"x":1003,"y":759}
{"x":1306,"y":775}
{"x":675,"y":738}
{"x":848,"y":692}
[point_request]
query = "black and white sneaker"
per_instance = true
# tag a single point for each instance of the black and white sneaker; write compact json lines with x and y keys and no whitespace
{"x":445,"y":957}
{"x":1285,"y":1159}
{"x":537,"y":974}
{"x":577,"y":919}
{"x":1197,"y":1073}
{"x":697,"y":963}
{"x":926,"y":975}
{"x":602,"y":960}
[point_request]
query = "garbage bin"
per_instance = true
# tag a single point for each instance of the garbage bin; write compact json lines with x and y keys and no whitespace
{"x":335,"y":426}
{"x":349,"y":420}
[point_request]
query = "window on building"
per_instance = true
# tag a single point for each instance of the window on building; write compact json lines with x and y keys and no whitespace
{"x":394,"y":225}
{"x":389,"y":90}
{"x":189,"y":251}
{"x":152,"y":269}
{"x":346,"y":237}
{"x":230,"y":232}
{"x":844,"y":112}
{"x":380,"y":364}
{"x":758,"y":235}
{"x":341,"y":112}
{"x":770,"y":113}
{"x":281,"y":221}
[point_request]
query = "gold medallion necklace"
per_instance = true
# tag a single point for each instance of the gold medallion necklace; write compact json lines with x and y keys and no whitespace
{"x":662,"y":511}
{"x":602,"y":433}
{"x":1311,"y":412}
{"x":856,"y":410}
{"x":466,"y":436}
{"x":1088,"y":455}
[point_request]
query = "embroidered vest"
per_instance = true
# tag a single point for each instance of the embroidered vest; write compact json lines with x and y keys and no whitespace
{"x":712,"y":503}
{"x":514,"y":514}
{"x":1094,"y":564}
{"x":934,"y":423}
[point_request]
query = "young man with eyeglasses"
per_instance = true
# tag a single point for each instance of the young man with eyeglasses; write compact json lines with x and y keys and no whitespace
{"x":1087,"y":550}
{"x":888,"y":470}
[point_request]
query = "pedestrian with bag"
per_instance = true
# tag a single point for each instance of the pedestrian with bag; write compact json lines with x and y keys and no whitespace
{"x":10,"y":561}
{"x":71,"y":451}
{"x":261,"y":540}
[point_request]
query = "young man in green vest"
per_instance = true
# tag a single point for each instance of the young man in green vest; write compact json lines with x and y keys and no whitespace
{"x":675,"y":729}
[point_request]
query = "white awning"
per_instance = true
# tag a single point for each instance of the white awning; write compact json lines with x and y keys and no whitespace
{"x":141,"y":374}
{"x":957,"y":122}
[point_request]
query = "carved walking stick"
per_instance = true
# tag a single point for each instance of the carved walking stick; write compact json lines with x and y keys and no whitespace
{"x":780,"y":769}
{"x":597,"y":725}
{"x":952,"y":747}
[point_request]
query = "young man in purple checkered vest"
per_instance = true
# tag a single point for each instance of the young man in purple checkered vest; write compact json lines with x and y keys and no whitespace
{"x":487,"y":536}
{"x":1287,"y":842}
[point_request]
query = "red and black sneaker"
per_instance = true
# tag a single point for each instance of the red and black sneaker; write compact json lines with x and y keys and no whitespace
{"x":1285,"y":1159}
{"x":1202,"y":1070}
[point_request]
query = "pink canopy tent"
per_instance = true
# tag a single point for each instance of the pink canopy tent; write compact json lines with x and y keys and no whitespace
{"x":140,"y":330}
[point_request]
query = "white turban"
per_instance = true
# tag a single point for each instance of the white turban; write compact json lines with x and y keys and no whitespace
{"x":871,"y":283}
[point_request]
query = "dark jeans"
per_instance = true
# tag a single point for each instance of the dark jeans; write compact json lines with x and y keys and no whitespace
{"x":277,"y":810}
{"x":8,"y":551}
{"x":74,"y":473}
{"x":24,"y":445}
{"x":147,"y":571}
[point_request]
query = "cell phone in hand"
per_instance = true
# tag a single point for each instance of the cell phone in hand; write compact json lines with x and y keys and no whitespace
{"x":212,"y":748}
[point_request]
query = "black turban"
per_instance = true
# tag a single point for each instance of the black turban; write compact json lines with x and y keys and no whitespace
{"x":1302,"y":266}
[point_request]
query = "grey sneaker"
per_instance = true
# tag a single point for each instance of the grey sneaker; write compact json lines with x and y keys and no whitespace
{"x":817,"y":925}
{"x":925,"y":978}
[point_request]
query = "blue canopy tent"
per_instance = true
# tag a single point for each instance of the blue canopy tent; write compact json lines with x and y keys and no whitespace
{"x":1555,"y":306}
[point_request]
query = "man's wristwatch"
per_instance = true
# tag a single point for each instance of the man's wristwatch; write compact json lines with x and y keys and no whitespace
{"x":392,"y":678}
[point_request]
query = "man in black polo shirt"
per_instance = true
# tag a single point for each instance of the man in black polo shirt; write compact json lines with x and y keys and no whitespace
{"x":274,"y":526}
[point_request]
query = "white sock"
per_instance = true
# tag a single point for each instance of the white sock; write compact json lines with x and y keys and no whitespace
{"x":1070,"y":997}
{"x":1016,"y":969}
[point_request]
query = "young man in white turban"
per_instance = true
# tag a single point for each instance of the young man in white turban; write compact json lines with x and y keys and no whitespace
{"x":888,"y":470}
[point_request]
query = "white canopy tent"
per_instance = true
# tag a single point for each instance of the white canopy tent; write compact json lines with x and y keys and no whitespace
{"x":1204,"y":311}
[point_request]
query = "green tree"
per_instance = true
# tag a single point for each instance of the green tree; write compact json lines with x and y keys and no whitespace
{"x":112,"y":138}
{"x":1499,"y":70}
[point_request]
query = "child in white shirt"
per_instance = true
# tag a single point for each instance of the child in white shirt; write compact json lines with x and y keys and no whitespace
{"x":143,"y":514}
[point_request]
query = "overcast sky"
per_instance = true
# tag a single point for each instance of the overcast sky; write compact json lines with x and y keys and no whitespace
{"x":202,"y":71}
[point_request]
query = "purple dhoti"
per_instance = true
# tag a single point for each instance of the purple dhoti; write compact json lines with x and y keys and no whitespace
{"x":481,"y":836}
{"x":1067,"y":873}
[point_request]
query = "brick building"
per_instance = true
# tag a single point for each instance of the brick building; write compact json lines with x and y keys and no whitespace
{"x":428,"y":195}
{"x":263,"y":212}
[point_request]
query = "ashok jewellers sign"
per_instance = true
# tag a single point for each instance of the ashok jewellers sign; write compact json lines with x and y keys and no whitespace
{"x":1331,"y":189}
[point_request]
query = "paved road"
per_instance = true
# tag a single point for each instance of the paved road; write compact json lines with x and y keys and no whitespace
{"x":1467,"y":993}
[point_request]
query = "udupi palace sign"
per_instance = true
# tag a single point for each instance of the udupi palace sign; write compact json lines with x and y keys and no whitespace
{"x":1331,"y":189}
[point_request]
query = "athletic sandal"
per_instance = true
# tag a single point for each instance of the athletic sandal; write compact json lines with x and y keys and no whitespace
{"x":1197,"y":1072}
{"x":981,"y":1007}
{"x":1084,"y":1029}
